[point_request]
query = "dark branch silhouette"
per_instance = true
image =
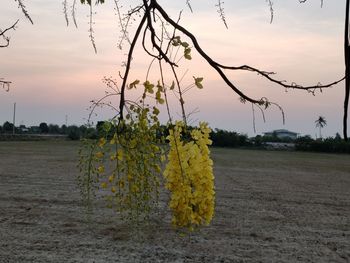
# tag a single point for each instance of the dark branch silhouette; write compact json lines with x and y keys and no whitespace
{"x":24,"y":10}
{"x":150,"y":7}
{"x":152,"y":14}
{"x":5,"y":38}
{"x":4,"y":83}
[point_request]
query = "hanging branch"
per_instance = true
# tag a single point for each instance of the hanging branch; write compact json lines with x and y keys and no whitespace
{"x":153,"y":12}
{"x":24,"y":10}
{"x":128,"y":64}
{"x":123,"y":26}
{"x":283,"y":83}
{"x":218,"y":67}
{"x":64,"y":3}
{"x":5,"y":84}
{"x":73,"y":13}
{"x":220,"y":10}
{"x":3,"y":35}
{"x":270,"y":3}
{"x":253,"y":112}
{"x":189,"y":5}
{"x":91,"y":30}
{"x":148,"y":12}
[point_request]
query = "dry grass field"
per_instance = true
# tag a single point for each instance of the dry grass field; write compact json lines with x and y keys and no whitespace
{"x":270,"y":207}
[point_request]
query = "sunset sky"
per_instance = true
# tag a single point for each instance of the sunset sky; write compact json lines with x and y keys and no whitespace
{"x":55,"y":72}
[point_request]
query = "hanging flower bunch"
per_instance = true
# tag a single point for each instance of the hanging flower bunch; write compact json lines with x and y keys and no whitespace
{"x":126,"y":162}
{"x":189,"y":177}
{"x":134,"y":160}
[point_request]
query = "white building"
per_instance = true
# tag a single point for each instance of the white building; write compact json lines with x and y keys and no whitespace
{"x":282,"y":134}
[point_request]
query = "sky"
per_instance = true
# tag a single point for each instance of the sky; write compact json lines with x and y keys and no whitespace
{"x":55,"y":72}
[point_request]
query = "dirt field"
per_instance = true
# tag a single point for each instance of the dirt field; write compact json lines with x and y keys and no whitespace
{"x":271,"y":207}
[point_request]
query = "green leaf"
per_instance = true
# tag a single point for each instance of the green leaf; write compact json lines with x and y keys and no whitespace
{"x":172,"y":86}
{"x":185,"y":44}
{"x":148,"y":87}
{"x":155,"y":111}
{"x":188,"y":56}
{"x":176,"y":41}
{"x":187,"y":53}
{"x":133,"y":84}
{"x":198,"y":82}
{"x":160,"y":87}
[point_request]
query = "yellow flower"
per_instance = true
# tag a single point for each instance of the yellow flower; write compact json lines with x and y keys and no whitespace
{"x":101,"y":142}
{"x":129,"y":177}
{"x":104,"y":185}
{"x":99,"y":155}
{"x":121,"y":184}
{"x":101,"y":169}
{"x":120,"y":155}
{"x":134,"y":188}
{"x":157,"y":168}
{"x":111,"y":178}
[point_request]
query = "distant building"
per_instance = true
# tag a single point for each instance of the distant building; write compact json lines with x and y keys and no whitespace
{"x":282,"y":134}
{"x":23,"y":129}
{"x":34,"y":129}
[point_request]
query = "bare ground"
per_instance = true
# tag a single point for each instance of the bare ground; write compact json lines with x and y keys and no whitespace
{"x":271,"y":207}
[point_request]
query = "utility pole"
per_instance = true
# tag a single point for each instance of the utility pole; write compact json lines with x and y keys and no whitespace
{"x":14,"y":118}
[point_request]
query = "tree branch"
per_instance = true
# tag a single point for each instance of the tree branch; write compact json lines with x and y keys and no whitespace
{"x":282,"y":83}
{"x":153,"y":33}
{"x":5,"y":84}
{"x":24,"y":10}
{"x":210,"y":61}
{"x":7,"y":39}
{"x":217,"y":66}
{"x":127,"y":69}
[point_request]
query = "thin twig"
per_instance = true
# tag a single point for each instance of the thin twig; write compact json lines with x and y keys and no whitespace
{"x":7,"y":39}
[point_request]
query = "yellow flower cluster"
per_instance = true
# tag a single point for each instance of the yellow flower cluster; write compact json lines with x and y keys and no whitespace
{"x":189,"y":177}
{"x":127,"y":163}
{"x":132,"y":171}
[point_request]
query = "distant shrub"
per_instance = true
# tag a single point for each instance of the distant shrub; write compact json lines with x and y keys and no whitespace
{"x":330,"y":145}
{"x":224,"y":138}
{"x":73,"y":132}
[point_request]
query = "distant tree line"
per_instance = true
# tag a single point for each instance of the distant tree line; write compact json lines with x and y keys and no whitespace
{"x":220,"y":138}
{"x":331,"y":144}
{"x":73,"y":132}
{"x":223,"y":138}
